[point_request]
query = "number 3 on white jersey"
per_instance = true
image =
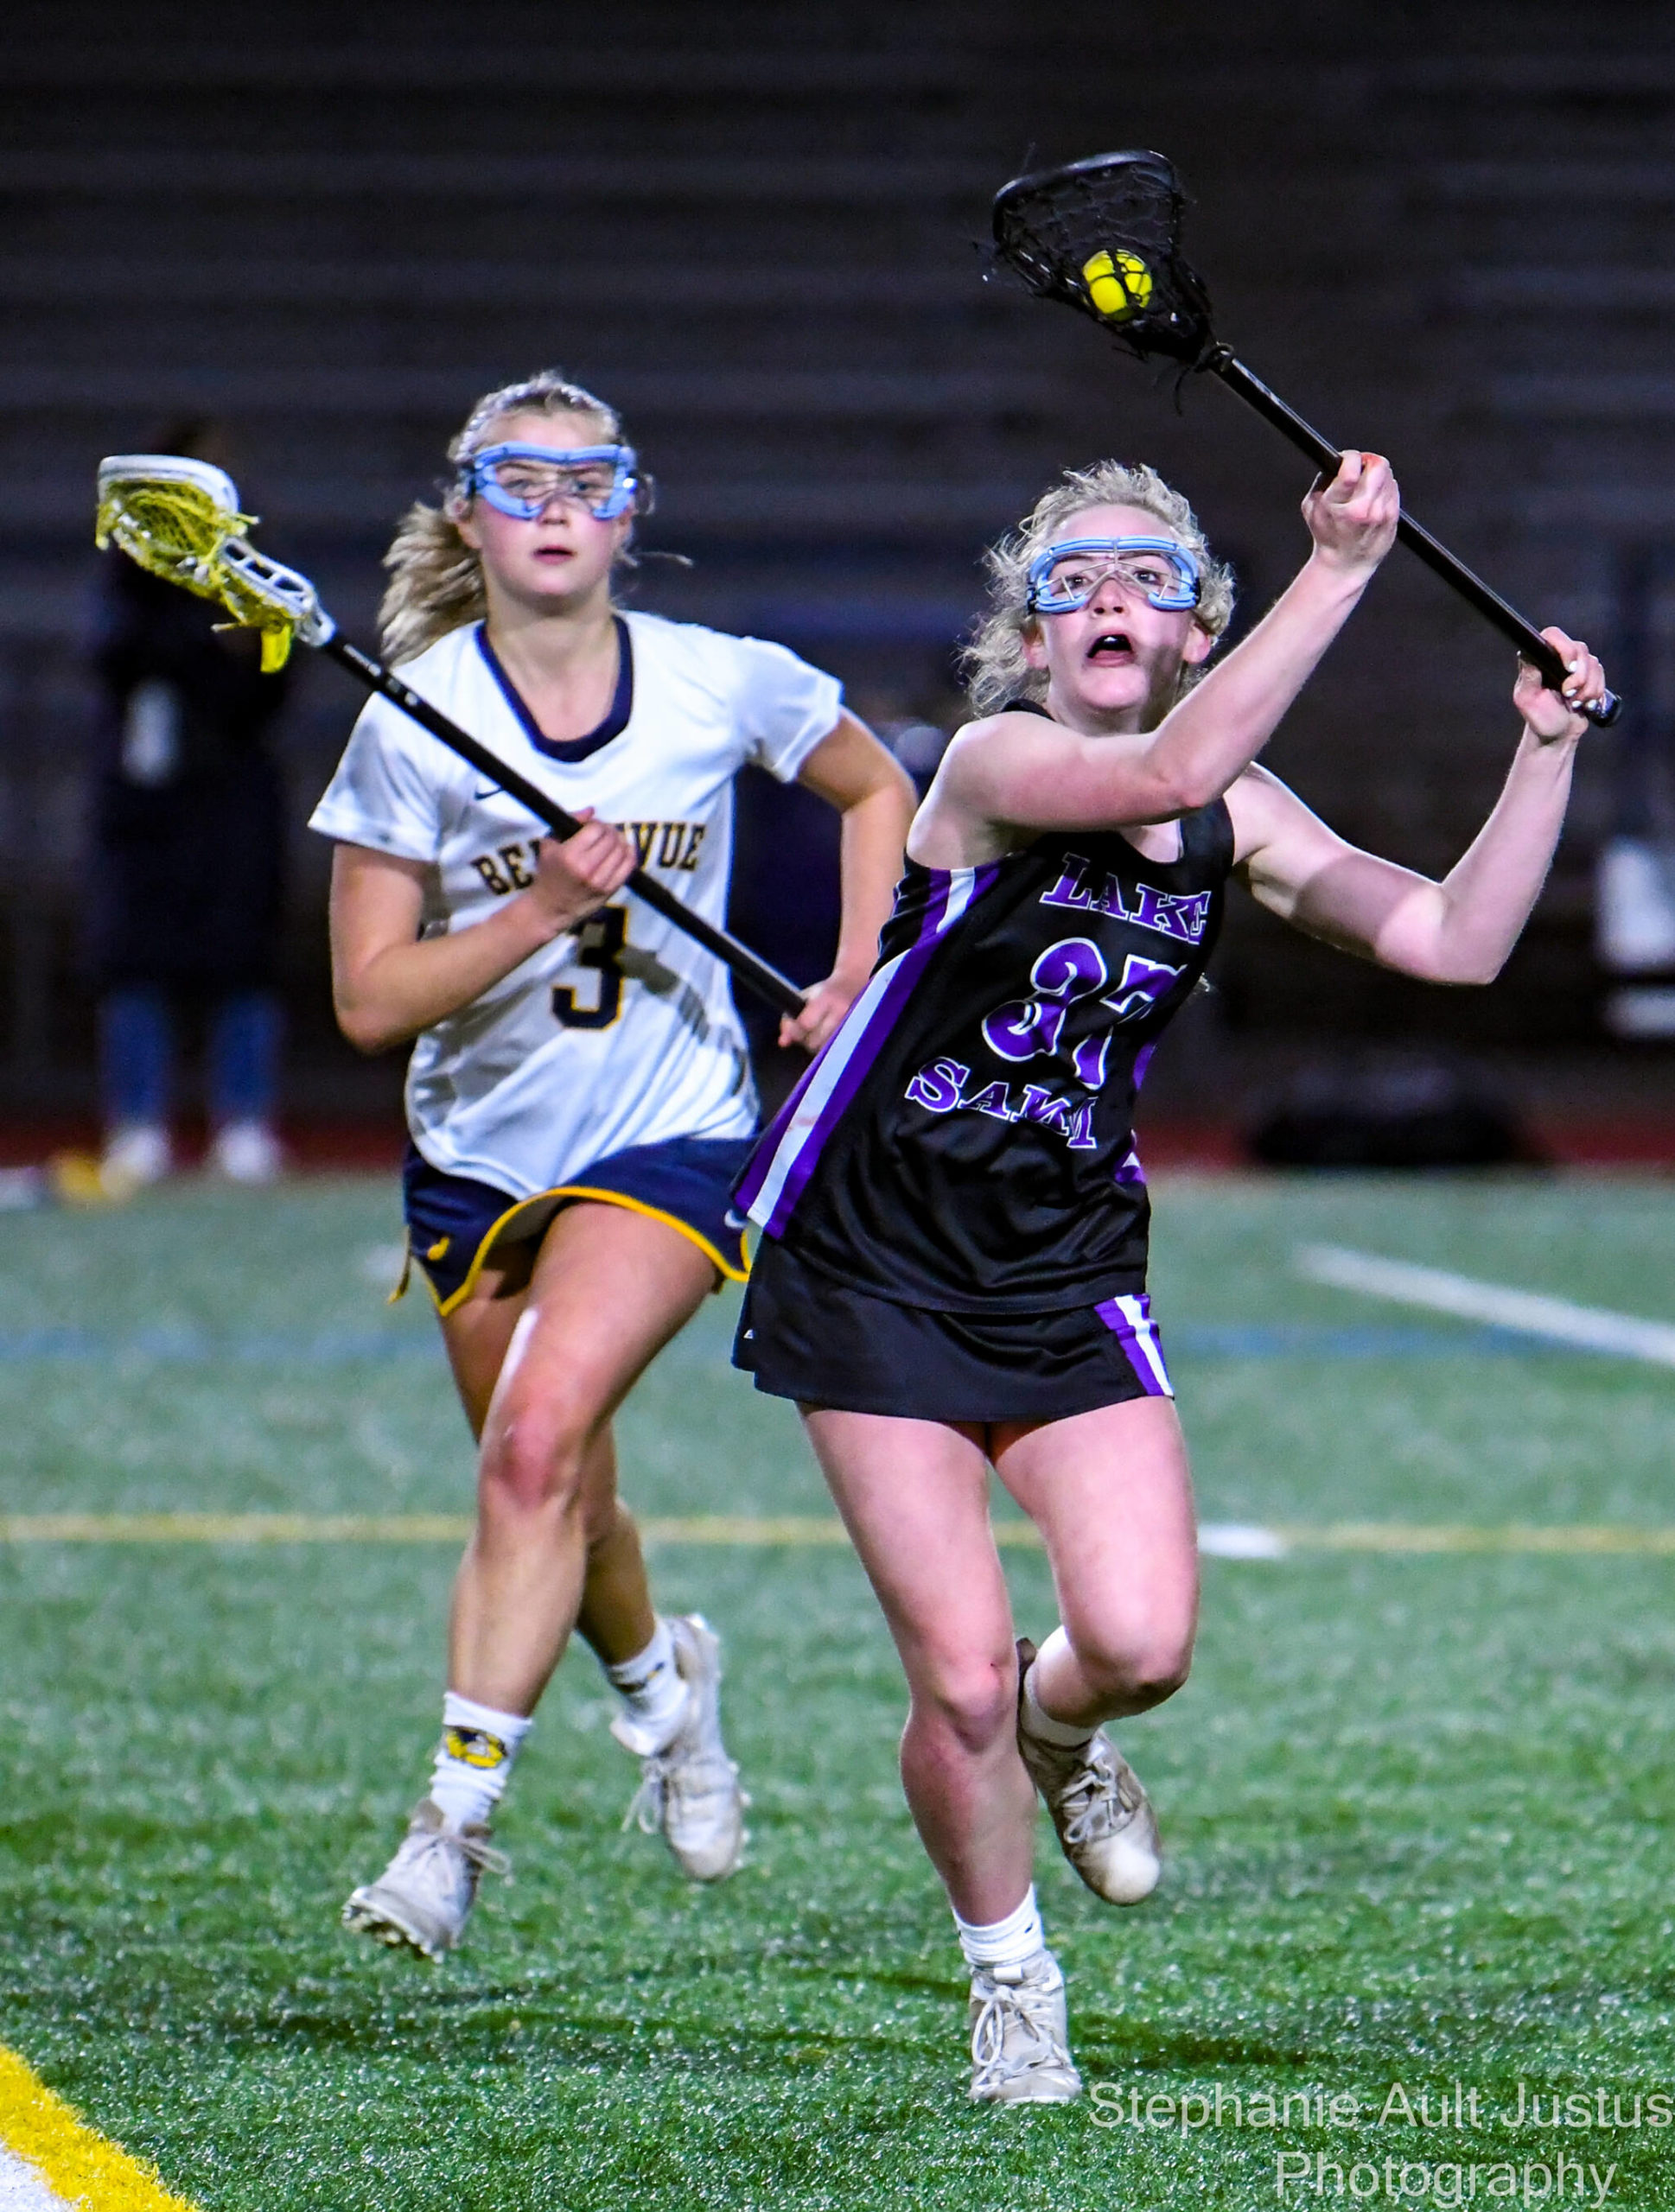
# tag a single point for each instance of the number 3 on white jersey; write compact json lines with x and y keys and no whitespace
{"x":599,"y":943}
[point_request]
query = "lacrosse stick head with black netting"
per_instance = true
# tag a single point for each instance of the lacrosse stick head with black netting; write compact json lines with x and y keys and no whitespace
{"x":1102,"y":236}
{"x":180,"y":519}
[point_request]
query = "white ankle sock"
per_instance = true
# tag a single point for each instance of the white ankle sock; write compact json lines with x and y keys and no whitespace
{"x":1068,"y":1735}
{"x":473,"y":1759}
{"x":653,"y":1693}
{"x":1006,"y":1943}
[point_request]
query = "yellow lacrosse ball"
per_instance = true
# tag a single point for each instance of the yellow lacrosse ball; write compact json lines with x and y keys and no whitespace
{"x":1119,"y":284}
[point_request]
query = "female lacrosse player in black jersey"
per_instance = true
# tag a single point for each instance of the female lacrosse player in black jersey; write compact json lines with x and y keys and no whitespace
{"x":954,"y":1265}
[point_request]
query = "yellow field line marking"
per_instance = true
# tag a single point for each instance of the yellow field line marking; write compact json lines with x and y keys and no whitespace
{"x":77,"y":2162}
{"x":234,"y":1528}
{"x":798,"y":1530}
{"x":743,"y":1529}
{"x":1400,"y":1536}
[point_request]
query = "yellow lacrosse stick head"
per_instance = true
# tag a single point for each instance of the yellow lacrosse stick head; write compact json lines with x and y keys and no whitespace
{"x":180,"y":519}
{"x":1119,"y":285}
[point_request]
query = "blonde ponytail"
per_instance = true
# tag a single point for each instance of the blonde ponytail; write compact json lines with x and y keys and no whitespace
{"x":436,"y":583}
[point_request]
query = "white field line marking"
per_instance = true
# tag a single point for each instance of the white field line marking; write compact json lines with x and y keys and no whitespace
{"x":1240,"y":1539}
{"x":1592,"y":1327}
{"x":21,"y":2189}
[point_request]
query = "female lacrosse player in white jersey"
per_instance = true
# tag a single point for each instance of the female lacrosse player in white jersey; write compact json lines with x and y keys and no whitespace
{"x":579,"y":1095}
{"x":954,"y":1269}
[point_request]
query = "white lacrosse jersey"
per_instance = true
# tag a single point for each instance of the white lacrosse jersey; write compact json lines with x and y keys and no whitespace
{"x":625,"y":1032}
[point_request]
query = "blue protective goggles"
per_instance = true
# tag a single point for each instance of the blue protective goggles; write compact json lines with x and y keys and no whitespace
{"x":524,"y":480}
{"x":1066,"y":575}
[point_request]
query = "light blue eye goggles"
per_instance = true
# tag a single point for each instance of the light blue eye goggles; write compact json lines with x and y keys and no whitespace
{"x":524,"y":480}
{"x":1066,"y":575}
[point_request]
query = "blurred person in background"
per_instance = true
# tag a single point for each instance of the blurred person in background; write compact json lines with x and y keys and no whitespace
{"x":189,"y":867}
{"x":917,"y":739}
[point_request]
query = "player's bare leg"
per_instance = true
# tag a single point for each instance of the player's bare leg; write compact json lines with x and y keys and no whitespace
{"x":913,"y":1496}
{"x":1111,"y":1492}
{"x":615,"y":1616}
{"x":609,"y":1289}
{"x":477,"y":1334}
{"x":914,"y":1499}
{"x":553,"y":1549}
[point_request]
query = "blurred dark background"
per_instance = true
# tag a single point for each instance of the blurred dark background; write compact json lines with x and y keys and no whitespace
{"x":1440,"y":230}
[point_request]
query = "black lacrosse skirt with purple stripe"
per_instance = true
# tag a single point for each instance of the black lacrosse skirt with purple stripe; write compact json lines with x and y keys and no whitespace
{"x":805,"y":1336}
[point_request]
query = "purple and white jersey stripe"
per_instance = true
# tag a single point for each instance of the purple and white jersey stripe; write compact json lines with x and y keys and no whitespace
{"x":1130,"y":1321}
{"x":791,"y":1147}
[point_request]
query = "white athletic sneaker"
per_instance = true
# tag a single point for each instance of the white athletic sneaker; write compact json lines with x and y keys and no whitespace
{"x":688,"y":1788}
{"x":1020,"y":2040}
{"x":246,"y":1152}
{"x":420,"y":1901}
{"x":1107,"y":1828}
{"x":136,"y":1154}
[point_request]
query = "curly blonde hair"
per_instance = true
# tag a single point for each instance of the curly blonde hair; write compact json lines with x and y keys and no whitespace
{"x":436,"y":578}
{"x":993,"y":664}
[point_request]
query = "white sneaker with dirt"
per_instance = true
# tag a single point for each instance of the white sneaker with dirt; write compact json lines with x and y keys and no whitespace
{"x":1020,"y":2040}
{"x":135,"y":1155}
{"x":421,"y":1900}
{"x":688,"y":1788}
{"x":248,"y":1153}
{"x":1107,"y":1828}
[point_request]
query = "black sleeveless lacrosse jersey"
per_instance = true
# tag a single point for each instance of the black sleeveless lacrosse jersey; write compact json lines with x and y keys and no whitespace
{"x":965,"y":1141}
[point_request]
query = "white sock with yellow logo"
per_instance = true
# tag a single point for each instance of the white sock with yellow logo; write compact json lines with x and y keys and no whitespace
{"x":473,"y":1759}
{"x":654,"y":1696}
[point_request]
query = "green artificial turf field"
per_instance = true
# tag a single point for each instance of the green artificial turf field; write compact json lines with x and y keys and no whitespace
{"x":1419,"y":1807}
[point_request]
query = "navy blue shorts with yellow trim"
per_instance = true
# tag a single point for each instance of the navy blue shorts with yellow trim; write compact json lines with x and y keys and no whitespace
{"x":453,"y":1222}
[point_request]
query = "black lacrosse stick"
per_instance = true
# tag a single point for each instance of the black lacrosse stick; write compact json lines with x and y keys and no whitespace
{"x":1102,"y":236}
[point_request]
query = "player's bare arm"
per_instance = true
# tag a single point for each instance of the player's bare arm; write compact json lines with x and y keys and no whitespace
{"x":851,"y":771}
{"x":1115,"y":752}
{"x":388,"y":983}
{"x":1459,"y":930}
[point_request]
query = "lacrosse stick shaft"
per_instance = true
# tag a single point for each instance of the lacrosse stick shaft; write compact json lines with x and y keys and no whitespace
{"x":1436,"y":556}
{"x":766,"y":981}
